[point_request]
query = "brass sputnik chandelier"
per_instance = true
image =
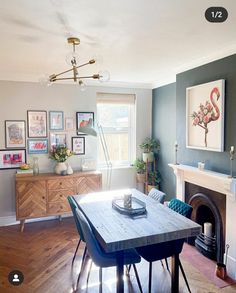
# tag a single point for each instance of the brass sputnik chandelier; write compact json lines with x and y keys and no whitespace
{"x":72,"y":59}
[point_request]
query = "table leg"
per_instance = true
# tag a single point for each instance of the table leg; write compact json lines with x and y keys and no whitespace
{"x":175,"y":273}
{"x":120,"y":272}
{"x":22,"y":225}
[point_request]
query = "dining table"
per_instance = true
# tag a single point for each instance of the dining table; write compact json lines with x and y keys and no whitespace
{"x":116,"y":231}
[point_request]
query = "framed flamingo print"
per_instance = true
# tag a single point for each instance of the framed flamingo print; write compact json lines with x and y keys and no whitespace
{"x":205,"y":116}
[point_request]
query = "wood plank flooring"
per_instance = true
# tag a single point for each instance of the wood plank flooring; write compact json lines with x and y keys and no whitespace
{"x":44,"y":251}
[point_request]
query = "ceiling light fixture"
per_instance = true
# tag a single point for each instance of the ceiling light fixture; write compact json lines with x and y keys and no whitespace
{"x":72,"y":59}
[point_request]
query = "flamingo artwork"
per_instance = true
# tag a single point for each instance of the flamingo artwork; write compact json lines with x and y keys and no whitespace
{"x":207,"y":113}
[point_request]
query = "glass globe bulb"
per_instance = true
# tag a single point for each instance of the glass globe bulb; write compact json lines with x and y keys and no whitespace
{"x":71,"y":57}
{"x":104,"y":76}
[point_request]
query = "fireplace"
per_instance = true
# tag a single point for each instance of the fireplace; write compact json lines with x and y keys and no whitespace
{"x":208,"y":207}
{"x":213,"y":196}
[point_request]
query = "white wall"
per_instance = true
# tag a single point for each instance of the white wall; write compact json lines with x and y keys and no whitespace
{"x":18,"y":97}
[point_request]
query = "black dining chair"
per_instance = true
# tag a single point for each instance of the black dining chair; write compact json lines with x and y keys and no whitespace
{"x":101,"y":258}
{"x":164,"y":250}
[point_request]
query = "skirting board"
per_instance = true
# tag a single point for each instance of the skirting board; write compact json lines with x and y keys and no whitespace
{"x":11,"y":220}
{"x":231,"y":267}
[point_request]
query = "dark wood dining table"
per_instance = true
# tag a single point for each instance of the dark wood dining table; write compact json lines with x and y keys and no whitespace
{"x":117,"y":232}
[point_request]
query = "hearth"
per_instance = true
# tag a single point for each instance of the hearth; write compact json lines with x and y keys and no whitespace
{"x":206,"y":245}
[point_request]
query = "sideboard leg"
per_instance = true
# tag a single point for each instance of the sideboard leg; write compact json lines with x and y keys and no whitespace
{"x":60,"y":218}
{"x":22,"y":225}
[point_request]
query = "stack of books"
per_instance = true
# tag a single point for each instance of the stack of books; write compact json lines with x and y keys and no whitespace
{"x":24,"y":172}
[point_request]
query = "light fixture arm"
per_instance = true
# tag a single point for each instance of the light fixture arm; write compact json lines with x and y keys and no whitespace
{"x":53,"y":77}
{"x":75,"y":73}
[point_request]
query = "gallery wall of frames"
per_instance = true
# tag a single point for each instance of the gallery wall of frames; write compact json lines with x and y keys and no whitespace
{"x":41,"y":132}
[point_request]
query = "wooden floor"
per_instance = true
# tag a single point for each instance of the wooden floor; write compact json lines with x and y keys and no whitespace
{"x":43,"y":252}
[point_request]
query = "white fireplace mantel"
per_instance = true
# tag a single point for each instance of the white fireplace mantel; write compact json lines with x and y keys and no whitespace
{"x":217,"y":182}
{"x":212,"y":180}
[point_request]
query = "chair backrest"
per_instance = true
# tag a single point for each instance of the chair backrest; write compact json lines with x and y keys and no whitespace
{"x":157,"y":195}
{"x":73,"y":206}
{"x":95,"y":251}
{"x":181,"y":207}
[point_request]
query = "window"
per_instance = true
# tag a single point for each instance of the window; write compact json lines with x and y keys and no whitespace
{"x":116,"y":115}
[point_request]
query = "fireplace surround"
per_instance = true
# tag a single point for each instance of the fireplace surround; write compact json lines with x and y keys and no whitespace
{"x":208,"y":206}
{"x":221,"y":186}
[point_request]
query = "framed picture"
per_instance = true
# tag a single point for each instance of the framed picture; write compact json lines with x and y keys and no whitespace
{"x":56,"y":120}
{"x":37,"y":146}
{"x":78,"y":145}
{"x":57,"y":139}
{"x":15,"y":133}
{"x":205,"y":116}
{"x":84,"y":119}
{"x":37,"y":123}
{"x":12,"y":159}
{"x":69,"y":123}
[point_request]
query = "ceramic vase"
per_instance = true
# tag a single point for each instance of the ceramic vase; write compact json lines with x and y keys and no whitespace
{"x":69,"y":170}
{"x":60,"y":168}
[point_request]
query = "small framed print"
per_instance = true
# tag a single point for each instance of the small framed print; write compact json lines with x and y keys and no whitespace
{"x":69,"y":123}
{"x":56,"y":120}
{"x":37,"y":146}
{"x":78,"y":145}
{"x":37,"y":123}
{"x":15,"y":133}
{"x":12,"y":159}
{"x":57,"y":139}
{"x":84,"y":119}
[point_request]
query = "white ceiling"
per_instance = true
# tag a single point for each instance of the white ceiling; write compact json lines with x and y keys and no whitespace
{"x":143,"y":42}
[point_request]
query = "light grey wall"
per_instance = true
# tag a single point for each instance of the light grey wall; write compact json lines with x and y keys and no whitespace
{"x":18,"y":97}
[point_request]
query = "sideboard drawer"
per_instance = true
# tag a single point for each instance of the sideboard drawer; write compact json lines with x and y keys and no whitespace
{"x":58,"y":207}
{"x":60,"y":194}
{"x":62,"y":183}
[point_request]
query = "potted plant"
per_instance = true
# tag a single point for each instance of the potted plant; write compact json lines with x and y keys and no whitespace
{"x":154,"y":179}
{"x":149,"y":146}
{"x":140,"y":167}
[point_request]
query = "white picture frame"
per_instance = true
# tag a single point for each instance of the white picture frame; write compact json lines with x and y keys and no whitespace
{"x":58,"y":139}
{"x":205,"y":116}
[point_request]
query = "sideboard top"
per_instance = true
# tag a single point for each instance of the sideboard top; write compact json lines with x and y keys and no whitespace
{"x":44,"y":176}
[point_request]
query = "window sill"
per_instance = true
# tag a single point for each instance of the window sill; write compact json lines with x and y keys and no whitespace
{"x":116,"y":167}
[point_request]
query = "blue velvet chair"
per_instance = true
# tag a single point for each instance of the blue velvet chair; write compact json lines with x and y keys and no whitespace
{"x":74,"y":206}
{"x":164,"y":250}
{"x":101,"y":258}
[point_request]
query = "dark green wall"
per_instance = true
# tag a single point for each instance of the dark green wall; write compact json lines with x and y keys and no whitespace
{"x":221,"y":69}
{"x":164,"y":129}
{"x":168,"y":102}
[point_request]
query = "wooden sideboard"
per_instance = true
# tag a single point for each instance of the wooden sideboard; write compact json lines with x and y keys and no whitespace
{"x":46,"y":194}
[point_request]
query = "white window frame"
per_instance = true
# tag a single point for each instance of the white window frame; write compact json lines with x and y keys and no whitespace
{"x":131,"y":129}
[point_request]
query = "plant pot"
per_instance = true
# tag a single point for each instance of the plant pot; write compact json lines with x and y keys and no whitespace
{"x":148,"y":156}
{"x":60,"y":168}
{"x":152,"y":186}
{"x":140,"y":178}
